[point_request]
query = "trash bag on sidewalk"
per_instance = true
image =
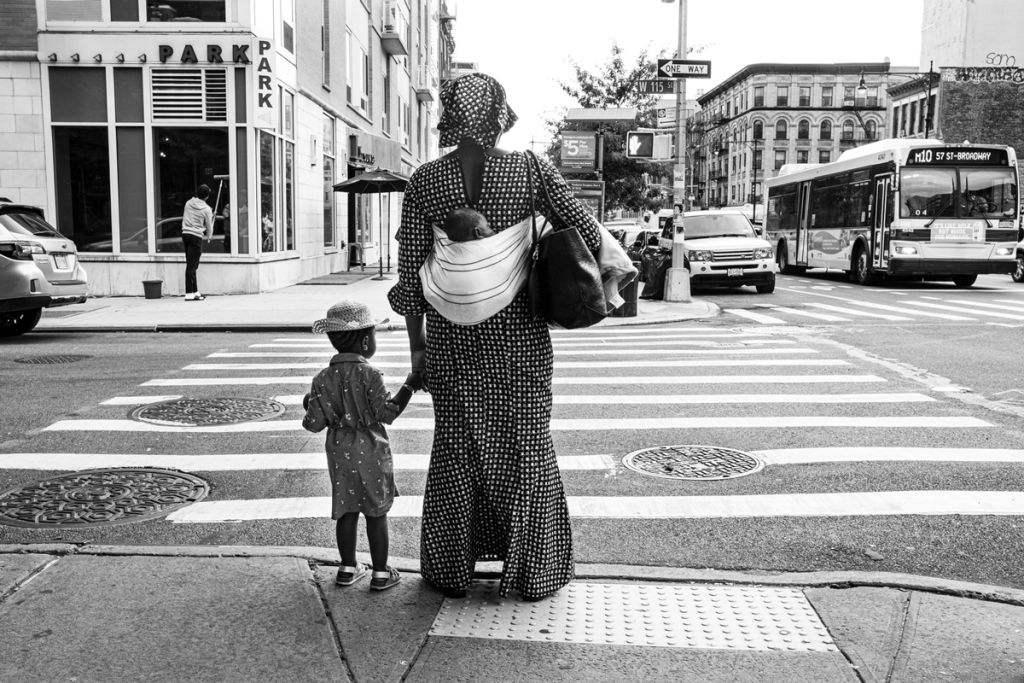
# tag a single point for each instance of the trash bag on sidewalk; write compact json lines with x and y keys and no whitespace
{"x":655,"y":267}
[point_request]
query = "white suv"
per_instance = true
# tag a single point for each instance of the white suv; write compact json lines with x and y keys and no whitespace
{"x":723,"y":249}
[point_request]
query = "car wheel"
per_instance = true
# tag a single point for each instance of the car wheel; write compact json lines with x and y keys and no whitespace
{"x":862,"y":273}
{"x":964,"y":280}
{"x":767,"y":287}
{"x":19,"y":322}
{"x":1018,"y":272}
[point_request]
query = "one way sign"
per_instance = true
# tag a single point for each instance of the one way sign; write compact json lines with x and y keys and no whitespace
{"x":683,"y":68}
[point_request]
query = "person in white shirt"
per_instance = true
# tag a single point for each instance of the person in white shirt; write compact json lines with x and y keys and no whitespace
{"x":196,"y":223}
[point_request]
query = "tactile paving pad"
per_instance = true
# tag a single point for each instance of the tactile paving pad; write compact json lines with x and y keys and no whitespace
{"x":658,"y":615}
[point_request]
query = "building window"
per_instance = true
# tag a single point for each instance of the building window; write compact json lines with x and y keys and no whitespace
{"x":826,"y":95}
{"x":759,"y":130}
{"x":847,"y":133}
{"x":825,"y":130}
{"x":872,"y":96}
{"x":895,"y":121}
{"x":759,"y":96}
{"x":870,"y":130}
{"x":781,"y":129}
{"x":325,"y":44}
{"x":801,"y":156}
{"x":385,"y":114}
{"x":913,"y":118}
{"x":780,"y":158}
{"x":849,"y":96}
{"x":758,"y":160}
{"x":186,"y":10}
{"x":805,"y":95}
{"x":782,"y":96}
{"x":82,"y":183}
{"x":803,"y":129}
{"x":288,"y":25}
{"x":185,"y":159}
{"x":268,"y":181}
{"x":824,"y":156}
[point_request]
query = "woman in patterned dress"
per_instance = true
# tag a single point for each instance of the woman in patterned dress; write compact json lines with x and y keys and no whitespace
{"x":493,"y":488}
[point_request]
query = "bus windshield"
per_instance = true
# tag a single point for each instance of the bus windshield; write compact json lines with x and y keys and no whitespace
{"x":960,"y":193}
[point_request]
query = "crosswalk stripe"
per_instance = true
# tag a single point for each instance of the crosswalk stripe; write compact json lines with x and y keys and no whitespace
{"x":709,"y":339}
{"x":856,"y":504}
{"x":1001,"y":307}
{"x":805,"y":456}
{"x":886,"y":307}
{"x":136,"y":400}
{"x":592,"y":333}
{"x":596,"y":343}
{"x":806,"y":314}
{"x":561,"y":424}
{"x":418,"y":462}
{"x":661,"y":364}
{"x":693,"y":399}
{"x":972,"y":311}
{"x":855,"y":313}
{"x":238,"y":462}
{"x":559,"y":352}
{"x":756,"y":317}
{"x":558,"y":379}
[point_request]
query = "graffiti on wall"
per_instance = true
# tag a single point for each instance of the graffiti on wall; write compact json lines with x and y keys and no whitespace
{"x":984,"y":74}
{"x":1000,"y":59}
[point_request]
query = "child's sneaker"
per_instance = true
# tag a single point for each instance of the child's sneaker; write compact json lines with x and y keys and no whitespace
{"x":349,"y":575}
{"x":381,"y":581}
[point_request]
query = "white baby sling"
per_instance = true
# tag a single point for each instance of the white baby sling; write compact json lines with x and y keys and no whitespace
{"x":469,"y":282}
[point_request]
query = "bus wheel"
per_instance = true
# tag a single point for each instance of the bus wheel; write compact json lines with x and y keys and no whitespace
{"x":862,"y":273}
{"x":782,"y":261}
{"x":964,"y":280}
{"x":1018,"y":272}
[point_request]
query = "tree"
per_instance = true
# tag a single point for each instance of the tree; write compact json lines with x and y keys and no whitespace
{"x":616,"y":85}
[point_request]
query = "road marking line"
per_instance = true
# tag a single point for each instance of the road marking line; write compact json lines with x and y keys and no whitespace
{"x":236,"y":462}
{"x":1001,"y":307}
{"x":858,"y":504}
{"x":756,"y":317}
{"x":137,"y":400}
{"x":693,"y":399}
{"x":592,"y":351}
{"x":702,"y":363}
{"x":886,"y":307}
{"x":594,"y":332}
{"x":557,"y":424}
{"x":632,"y":379}
{"x":808,"y":314}
{"x":804,"y":456}
{"x":856,"y":314}
{"x":598,"y":343}
{"x":974,"y":311}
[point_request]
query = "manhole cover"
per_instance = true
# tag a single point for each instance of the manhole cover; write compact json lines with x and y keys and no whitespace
{"x":203,"y":412}
{"x":100,"y":498}
{"x":52,"y":359}
{"x":697,"y":463}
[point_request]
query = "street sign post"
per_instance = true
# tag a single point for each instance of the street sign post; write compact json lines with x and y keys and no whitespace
{"x":579,"y":150}
{"x":662,"y":86}
{"x":683,"y":68}
{"x":591,"y":193}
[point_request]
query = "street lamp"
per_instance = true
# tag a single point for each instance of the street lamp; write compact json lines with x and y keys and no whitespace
{"x":862,"y":90}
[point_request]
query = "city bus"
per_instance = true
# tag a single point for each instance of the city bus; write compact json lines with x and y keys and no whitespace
{"x":898,"y":207}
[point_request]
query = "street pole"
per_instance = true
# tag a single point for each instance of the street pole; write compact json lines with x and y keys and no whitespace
{"x":677,"y":280}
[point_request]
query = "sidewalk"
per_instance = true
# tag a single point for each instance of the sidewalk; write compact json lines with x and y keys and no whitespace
{"x":218,"y":613}
{"x":292,"y":308}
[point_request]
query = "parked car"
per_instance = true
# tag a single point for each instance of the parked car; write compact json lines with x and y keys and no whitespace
{"x":39,"y":268}
{"x":645,"y":240}
{"x":722,"y":248}
{"x":168,"y":240}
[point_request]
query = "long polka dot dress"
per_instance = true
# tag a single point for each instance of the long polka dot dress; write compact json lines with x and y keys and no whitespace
{"x":493,"y":488}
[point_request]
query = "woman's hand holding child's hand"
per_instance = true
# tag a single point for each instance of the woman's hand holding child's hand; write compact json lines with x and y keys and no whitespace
{"x":415,"y":381}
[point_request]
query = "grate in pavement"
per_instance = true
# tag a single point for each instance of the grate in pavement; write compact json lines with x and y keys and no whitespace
{"x":52,"y":359}
{"x":655,"y":615}
{"x":203,"y":412}
{"x":695,"y":463}
{"x":100,"y":498}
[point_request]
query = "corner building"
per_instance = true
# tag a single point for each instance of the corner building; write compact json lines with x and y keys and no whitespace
{"x":125,"y":106}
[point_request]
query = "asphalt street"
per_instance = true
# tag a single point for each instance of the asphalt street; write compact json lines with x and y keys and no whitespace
{"x":894,"y":390}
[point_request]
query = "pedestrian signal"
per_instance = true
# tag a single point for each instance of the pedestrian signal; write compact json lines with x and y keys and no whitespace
{"x":648,"y":145}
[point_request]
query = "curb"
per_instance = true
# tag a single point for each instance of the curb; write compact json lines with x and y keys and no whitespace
{"x":329,"y":556}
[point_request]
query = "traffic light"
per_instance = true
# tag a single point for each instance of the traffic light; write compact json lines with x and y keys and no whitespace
{"x":643,"y":144}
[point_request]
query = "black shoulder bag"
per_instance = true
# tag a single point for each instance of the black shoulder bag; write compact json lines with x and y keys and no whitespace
{"x":564,"y":285}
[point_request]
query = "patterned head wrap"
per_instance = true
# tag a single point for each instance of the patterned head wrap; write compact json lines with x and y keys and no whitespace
{"x":473,"y":106}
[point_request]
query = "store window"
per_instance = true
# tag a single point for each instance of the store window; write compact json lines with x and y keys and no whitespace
{"x":329,"y":198}
{"x":268,"y":178}
{"x":186,"y":10}
{"x":82,"y":184}
{"x":185,"y":159}
{"x":277,"y":180}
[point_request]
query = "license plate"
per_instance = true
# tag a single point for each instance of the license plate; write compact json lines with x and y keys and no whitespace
{"x":734,"y":272}
{"x":60,"y":261}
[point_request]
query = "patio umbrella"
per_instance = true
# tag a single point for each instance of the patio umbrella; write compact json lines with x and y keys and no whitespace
{"x":377,"y":181}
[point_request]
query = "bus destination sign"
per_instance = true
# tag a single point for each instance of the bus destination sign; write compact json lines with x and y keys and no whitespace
{"x":957,"y":156}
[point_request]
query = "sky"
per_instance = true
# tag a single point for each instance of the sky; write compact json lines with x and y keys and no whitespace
{"x":528,"y":45}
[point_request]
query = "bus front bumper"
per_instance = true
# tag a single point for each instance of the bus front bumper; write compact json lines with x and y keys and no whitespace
{"x":914,"y":266}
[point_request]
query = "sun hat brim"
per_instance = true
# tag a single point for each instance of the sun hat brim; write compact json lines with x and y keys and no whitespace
{"x":327,"y":325}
